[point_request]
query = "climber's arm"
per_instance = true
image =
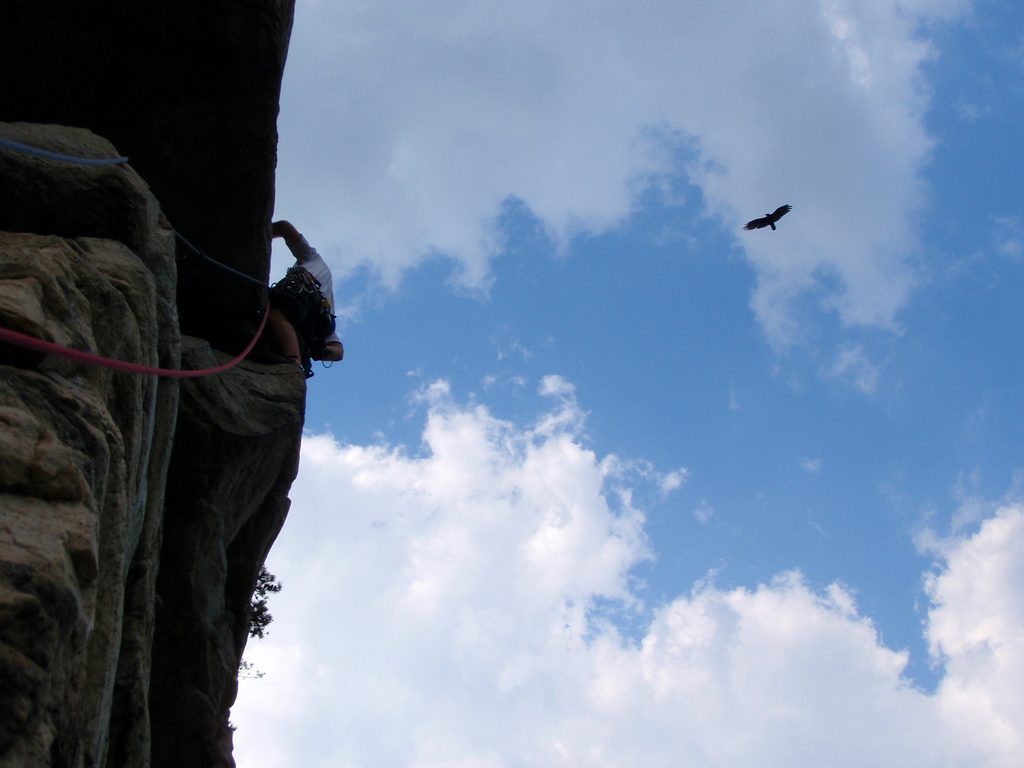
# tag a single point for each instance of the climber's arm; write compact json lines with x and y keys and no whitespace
{"x":287,"y":230}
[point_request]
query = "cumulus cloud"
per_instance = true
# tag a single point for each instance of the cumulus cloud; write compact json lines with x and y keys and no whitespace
{"x":977,"y":628}
{"x":448,"y":608}
{"x":405,"y":128}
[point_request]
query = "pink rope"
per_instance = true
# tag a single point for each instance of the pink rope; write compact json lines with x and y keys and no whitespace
{"x":49,"y":348}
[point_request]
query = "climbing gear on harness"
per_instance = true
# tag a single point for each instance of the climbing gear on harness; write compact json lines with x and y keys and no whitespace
{"x":298,"y":296}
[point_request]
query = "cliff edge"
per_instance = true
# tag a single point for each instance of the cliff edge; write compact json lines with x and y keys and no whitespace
{"x":135,"y":510}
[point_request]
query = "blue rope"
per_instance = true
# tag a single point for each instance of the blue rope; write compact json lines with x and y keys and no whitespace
{"x":28,"y":150}
{"x":220,"y":264}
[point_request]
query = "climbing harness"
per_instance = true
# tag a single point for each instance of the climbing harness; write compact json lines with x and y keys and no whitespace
{"x":298,"y":296}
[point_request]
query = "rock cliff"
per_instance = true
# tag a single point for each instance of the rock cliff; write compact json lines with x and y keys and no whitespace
{"x":135,"y":510}
{"x":189,"y":91}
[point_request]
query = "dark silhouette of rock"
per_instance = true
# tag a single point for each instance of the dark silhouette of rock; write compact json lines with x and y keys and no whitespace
{"x":189,"y":91}
{"x":135,"y":511}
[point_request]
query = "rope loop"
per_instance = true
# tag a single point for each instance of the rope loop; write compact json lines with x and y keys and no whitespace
{"x":89,"y":358}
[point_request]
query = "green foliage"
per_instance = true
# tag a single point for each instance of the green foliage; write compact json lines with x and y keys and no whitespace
{"x":259,"y":616}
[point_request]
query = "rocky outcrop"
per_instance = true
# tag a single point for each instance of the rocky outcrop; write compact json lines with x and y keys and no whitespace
{"x":84,"y":453}
{"x":134,"y":511}
{"x":235,"y":456}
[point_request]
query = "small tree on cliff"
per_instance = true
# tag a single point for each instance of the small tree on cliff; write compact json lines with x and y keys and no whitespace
{"x":259,"y":616}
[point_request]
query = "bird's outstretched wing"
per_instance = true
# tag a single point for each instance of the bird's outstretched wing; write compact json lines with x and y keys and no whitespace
{"x":769,"y":219}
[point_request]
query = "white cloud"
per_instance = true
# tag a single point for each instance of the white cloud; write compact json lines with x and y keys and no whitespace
{"x":441,"y":610}
{"x":811,"y":465}
{"x":704,"y":512}
{"x":405,"y":126}
{"x":1010,"y":237}
{"x":673,"y":481}
{"x":734,"y":401}
{"x":557,"y":386}
{"x":515,"y":349}
{"x":977,"y":628}
{"x":511,"y":382}
{"x":1012,"y":248}
{"x":853,"y":366}
{"x":970,"y":112}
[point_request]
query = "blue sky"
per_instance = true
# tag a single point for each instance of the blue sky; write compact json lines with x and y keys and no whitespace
{"x":605,"y":480}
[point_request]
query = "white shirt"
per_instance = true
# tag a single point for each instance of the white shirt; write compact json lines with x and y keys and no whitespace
{"x":307,"y":257}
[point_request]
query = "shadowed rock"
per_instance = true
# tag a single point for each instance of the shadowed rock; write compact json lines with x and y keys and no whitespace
{"x":123,"y":605}
{"x":89,"y":639}
{"x":189,"y":91}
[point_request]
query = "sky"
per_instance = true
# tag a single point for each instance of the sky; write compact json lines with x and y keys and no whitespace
{"x":604,"y":479}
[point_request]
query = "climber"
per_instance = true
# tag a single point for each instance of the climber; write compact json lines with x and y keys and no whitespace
{"x":300,"y":327}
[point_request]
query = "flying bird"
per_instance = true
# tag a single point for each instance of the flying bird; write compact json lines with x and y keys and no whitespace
{"x":769,"y":219}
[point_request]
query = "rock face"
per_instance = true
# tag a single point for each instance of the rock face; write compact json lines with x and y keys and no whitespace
{"x":135,"y":511}
{"x":82,"y":461}
{"x":235,"y":456}
{"x":187,"y":89}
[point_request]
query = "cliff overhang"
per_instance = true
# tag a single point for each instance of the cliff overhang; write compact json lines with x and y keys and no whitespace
{"x":135,"y":511}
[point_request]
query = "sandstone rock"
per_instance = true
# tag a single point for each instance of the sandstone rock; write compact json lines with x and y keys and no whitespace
{"x":235,"y":456}
{"x":108,"y":201}
{"x":92,"y":671}
{"x":189,"y":91}
{"x":83,"y":450}
{"x":80,"y":502}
